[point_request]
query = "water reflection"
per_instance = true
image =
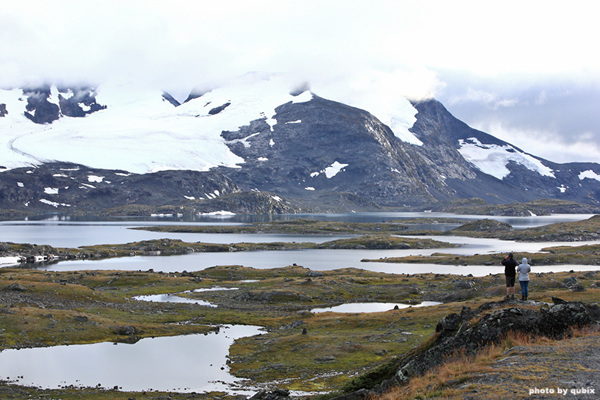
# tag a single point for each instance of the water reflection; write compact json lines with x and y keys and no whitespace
{"x":371,"y":307}
{"x":191,"y":363}
{"x":176,"y":298}
{"x":172,"y":298}
{"x":74,"y":232}
{"x":324,"y":260}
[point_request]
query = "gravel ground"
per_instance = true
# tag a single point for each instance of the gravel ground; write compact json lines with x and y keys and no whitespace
{"x":567,"y":369}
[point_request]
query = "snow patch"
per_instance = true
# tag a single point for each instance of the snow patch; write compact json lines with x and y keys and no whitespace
{"x":190,"y":197}
{"x":60,"y":176}
{"x":493,"y":159}
{"x":164,"y":137}
{"x":330,"y":171}
{"x":50,"y":190}
{"x":67,"y":95}
{"x":20,"y":184}
{"x":276,"y":198}
{"x":271,"y":143}
{"x":95,"y":178}
{"x":309,"y":188}
{"x":294,"y":122}
{"x":589,"y":174}
{"x":334,"y":169}
{"x":562,"y":188}
{"x":221,"y":213}
{"x":53,"y":98}
{"x":304,"y":97}
{"x":244,"y":141}
{"x":263,"y":159}
{"x":53,"y":203}
{"x":271,"y":122}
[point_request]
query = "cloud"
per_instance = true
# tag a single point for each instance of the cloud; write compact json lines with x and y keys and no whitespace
{"x":489,"y":99}
{"x":551,"y":145}
{"x":174,"y":43}
{"x":499,"y":59}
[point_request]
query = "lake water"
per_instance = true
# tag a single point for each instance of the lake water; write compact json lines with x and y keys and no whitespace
{"x":323,"y":260}
{"x":190,"y":363}
{"x":197,"y":363}
{"x":74,"y":233}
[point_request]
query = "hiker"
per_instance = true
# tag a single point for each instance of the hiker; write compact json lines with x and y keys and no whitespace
{"x":524,"y":269}
{"x":510,"y":274}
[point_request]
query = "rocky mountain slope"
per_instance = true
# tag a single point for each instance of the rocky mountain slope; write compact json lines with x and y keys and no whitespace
{"x":133,"y":146}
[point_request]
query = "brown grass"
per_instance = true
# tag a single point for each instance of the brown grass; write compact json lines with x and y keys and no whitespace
{"x":451,"y":379}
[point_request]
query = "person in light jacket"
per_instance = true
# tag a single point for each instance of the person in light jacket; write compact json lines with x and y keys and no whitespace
{"x":524,"y":269}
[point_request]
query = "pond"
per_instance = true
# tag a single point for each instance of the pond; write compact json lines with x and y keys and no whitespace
{"x":371,"y":307}
{"x":176,"y":298}
{"x":190,"y":363}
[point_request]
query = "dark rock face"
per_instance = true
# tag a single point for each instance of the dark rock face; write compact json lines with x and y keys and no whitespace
{"x":81,"y":102}
{"x":295,"y":157}
{"x":324,"y":156}
{"x":436,"y":125}
{"x":74,"y":188}
{"x":125,"y":330}
{"x":277,"y":394}
{"x":217,"y":110}
{"x":39,"y":109}
{"x":3,"y":111}
{"x":455,"y":333}
{"x":459,"y":334}
{"x":43,"y":107}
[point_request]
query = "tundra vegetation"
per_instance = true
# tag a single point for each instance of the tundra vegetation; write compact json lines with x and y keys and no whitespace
{"x":325,"y":353}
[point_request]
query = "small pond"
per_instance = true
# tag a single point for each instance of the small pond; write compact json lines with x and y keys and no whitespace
{"x":175,"y":298}
{"x":371,"y":307}
{"x":190,"y":363}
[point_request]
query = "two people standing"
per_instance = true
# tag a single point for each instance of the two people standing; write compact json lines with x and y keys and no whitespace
{"x":510,"y":274}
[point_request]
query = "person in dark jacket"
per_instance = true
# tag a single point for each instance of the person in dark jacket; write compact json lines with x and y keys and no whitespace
{"x":510,"y":274}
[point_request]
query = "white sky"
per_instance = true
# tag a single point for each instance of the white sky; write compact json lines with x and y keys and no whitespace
{"x":525,"y":71}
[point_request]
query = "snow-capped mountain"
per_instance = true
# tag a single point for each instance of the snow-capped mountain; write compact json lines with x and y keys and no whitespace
{"x":257,"y":135}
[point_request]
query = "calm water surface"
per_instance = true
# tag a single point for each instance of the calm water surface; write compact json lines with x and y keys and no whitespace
{"x":73,"y":233}
{"x":371,"y":307}
{"x":190,"y":363}
{"x":324,"y":260}
{"x":197,"y":363}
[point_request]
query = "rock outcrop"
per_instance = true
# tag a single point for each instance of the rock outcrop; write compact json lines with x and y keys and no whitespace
{"x":469,"y":331}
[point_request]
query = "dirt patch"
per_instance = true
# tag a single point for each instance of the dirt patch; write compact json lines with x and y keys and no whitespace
{"x":566,"y":369}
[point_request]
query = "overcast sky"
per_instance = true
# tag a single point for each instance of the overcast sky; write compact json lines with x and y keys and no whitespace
{"x":525,"y":71}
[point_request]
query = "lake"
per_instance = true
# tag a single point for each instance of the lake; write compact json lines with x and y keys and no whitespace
{"x":67,"y":232}
{"x":198,"y":362}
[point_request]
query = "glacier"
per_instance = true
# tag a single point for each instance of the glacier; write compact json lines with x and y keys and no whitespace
{"x":140,"y":131}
